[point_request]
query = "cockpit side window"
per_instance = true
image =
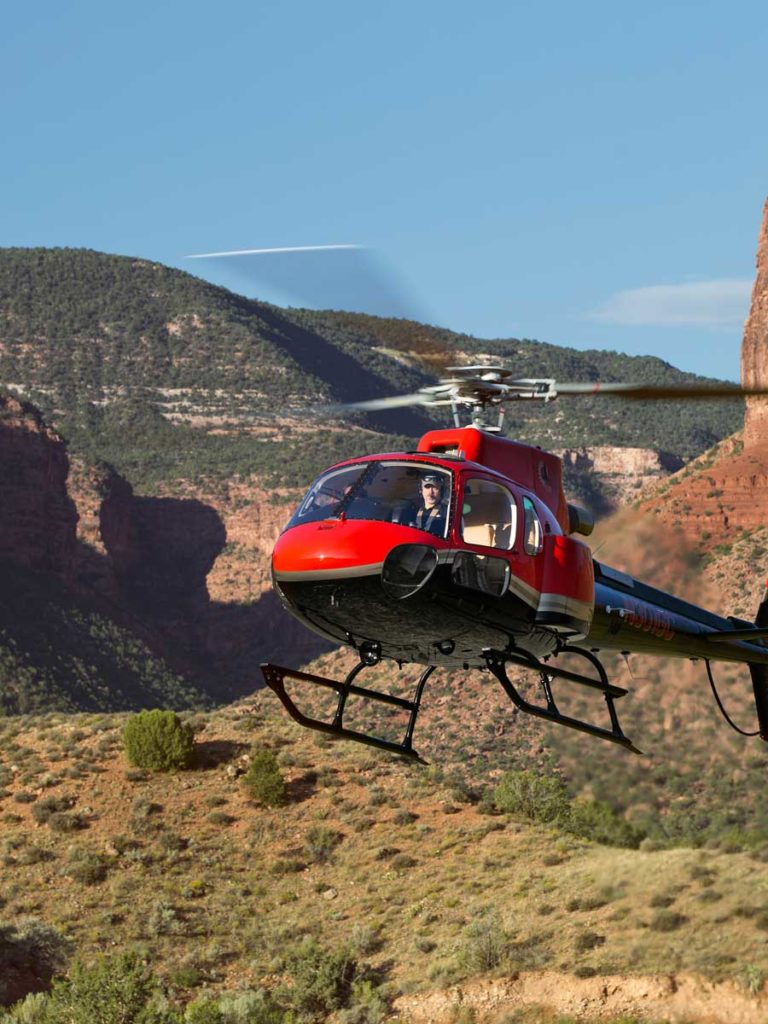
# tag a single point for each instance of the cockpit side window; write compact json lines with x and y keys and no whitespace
{"x":489,"y":514}
{"x":532,"y":532}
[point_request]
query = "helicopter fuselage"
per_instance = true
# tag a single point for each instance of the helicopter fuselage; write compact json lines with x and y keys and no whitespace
{"x":501,"y":575}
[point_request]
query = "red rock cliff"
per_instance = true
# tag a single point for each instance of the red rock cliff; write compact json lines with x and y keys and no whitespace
{"x":38,"y":519}
{"x":754,"y":347}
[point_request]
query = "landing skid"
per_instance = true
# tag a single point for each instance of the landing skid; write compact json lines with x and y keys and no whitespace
{"x":548,"y":673}
{"x":496,"y":662}
{"x":275,"y":677}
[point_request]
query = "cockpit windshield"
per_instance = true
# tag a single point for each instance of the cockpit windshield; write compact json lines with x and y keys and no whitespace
{"x":409,"y":493}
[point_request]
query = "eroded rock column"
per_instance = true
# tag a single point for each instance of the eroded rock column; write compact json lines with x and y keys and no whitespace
{"x":754,"y":347}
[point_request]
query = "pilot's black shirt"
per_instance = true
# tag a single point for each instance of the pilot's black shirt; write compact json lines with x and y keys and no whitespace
{"x":432,"y":519}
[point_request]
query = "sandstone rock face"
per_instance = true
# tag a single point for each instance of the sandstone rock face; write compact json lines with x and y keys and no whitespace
{"x":620,"y":472}
{"x":38,"y":519}
{"x":754,"y":347}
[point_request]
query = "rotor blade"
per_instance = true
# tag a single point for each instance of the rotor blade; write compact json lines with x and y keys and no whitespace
{"x":268,"y":252}
{"x":379,"y":404}
{"x":644,"y":392}
{"x":338,"y":276}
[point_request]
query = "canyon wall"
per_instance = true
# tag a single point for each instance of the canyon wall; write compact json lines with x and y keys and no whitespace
{"x":38,"y":518}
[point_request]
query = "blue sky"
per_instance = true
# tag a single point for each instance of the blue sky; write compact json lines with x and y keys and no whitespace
{"x":586,"y":174}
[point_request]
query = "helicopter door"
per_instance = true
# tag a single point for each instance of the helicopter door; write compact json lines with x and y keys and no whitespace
{"x":488,"y":520}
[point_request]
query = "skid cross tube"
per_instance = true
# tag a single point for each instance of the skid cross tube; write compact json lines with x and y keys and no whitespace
{"x":497,"y":662}
{"x":275,"y":676}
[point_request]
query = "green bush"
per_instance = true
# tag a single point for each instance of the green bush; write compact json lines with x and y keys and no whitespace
{"x":667,"y":921}
{"x":321,"y":979}
{"x":320,"y":843}
{"x":113,"y":990}
{"x":536,"y":797}
{"x":257,"y":1007}
{"x":30,"y":953}
{"x":485,"y":945}
{"x":158,"y":741}
{"x":545,"y":799}
{"x":592,"y":819}
{"x":86,"y":867}
{"x":264,"y":780}
{"x":366,"y":1005}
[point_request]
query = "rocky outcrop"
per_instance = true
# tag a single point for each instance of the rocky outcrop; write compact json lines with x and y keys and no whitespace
{"x":38,"y":519}
{"x":154,"y":552}
{"x":605,"y":477}
{"x":681,"y":997}
{"x":754,"y":347}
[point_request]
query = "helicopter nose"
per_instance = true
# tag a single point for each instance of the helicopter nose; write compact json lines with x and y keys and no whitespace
{"x":344,"y":549}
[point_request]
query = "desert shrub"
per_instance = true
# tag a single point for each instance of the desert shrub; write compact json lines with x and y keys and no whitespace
{"x":187,"y":976}
{"x":366,"y":1004}
{"x":35,"y":855}
{"x":403,"y":861}
{"x":585,"y":941}
{"x":667,"y":921}
{"x":264,"y":780}
{"x":321,"y":979}
{"x":365,"y":939}
{"x":592,"y":819}
{"x":404,"y":817}
{"x":287,"y":866}
{"x":158,"y":741}
{"x":30,"y":953}
{"x":164,"y":919}
{"x":661,"y":899}
{"x":257,"y":1007}
{"x":205,"y":1011}
{"x":113,"y":990}
{"x":221,"y":818}
{"x":34,"y":1009}
{"x":386,"y":852}
{"x":86,"y":867}
{"x":49,"y":805}
{"x":320,"y":842}
{"x":60,"y":821}
{"x":545,"y":799}
{"x":536,"y":797}
{"x":752,"y":978}
{"x":172,"y":842}
{"x":485,"y":944}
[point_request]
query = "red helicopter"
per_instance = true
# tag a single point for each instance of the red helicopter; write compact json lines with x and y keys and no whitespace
{"x":465,"y":553}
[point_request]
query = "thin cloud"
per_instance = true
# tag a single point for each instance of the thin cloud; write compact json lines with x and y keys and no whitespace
{"x":720,"y":303}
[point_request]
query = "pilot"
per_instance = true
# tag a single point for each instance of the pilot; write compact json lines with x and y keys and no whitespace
{"x":433,"y":510}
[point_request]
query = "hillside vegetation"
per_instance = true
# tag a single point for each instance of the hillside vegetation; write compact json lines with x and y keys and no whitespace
{"x":63,"y":652}
{"x":409,"y":875}
{"x":106,"y":344}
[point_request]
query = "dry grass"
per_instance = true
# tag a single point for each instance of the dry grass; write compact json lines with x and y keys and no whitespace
{"x":429,"y":899}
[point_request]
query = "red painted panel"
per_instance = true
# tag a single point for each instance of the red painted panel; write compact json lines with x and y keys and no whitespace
{"x":568,"y":568}
{"x":343,"y":544}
